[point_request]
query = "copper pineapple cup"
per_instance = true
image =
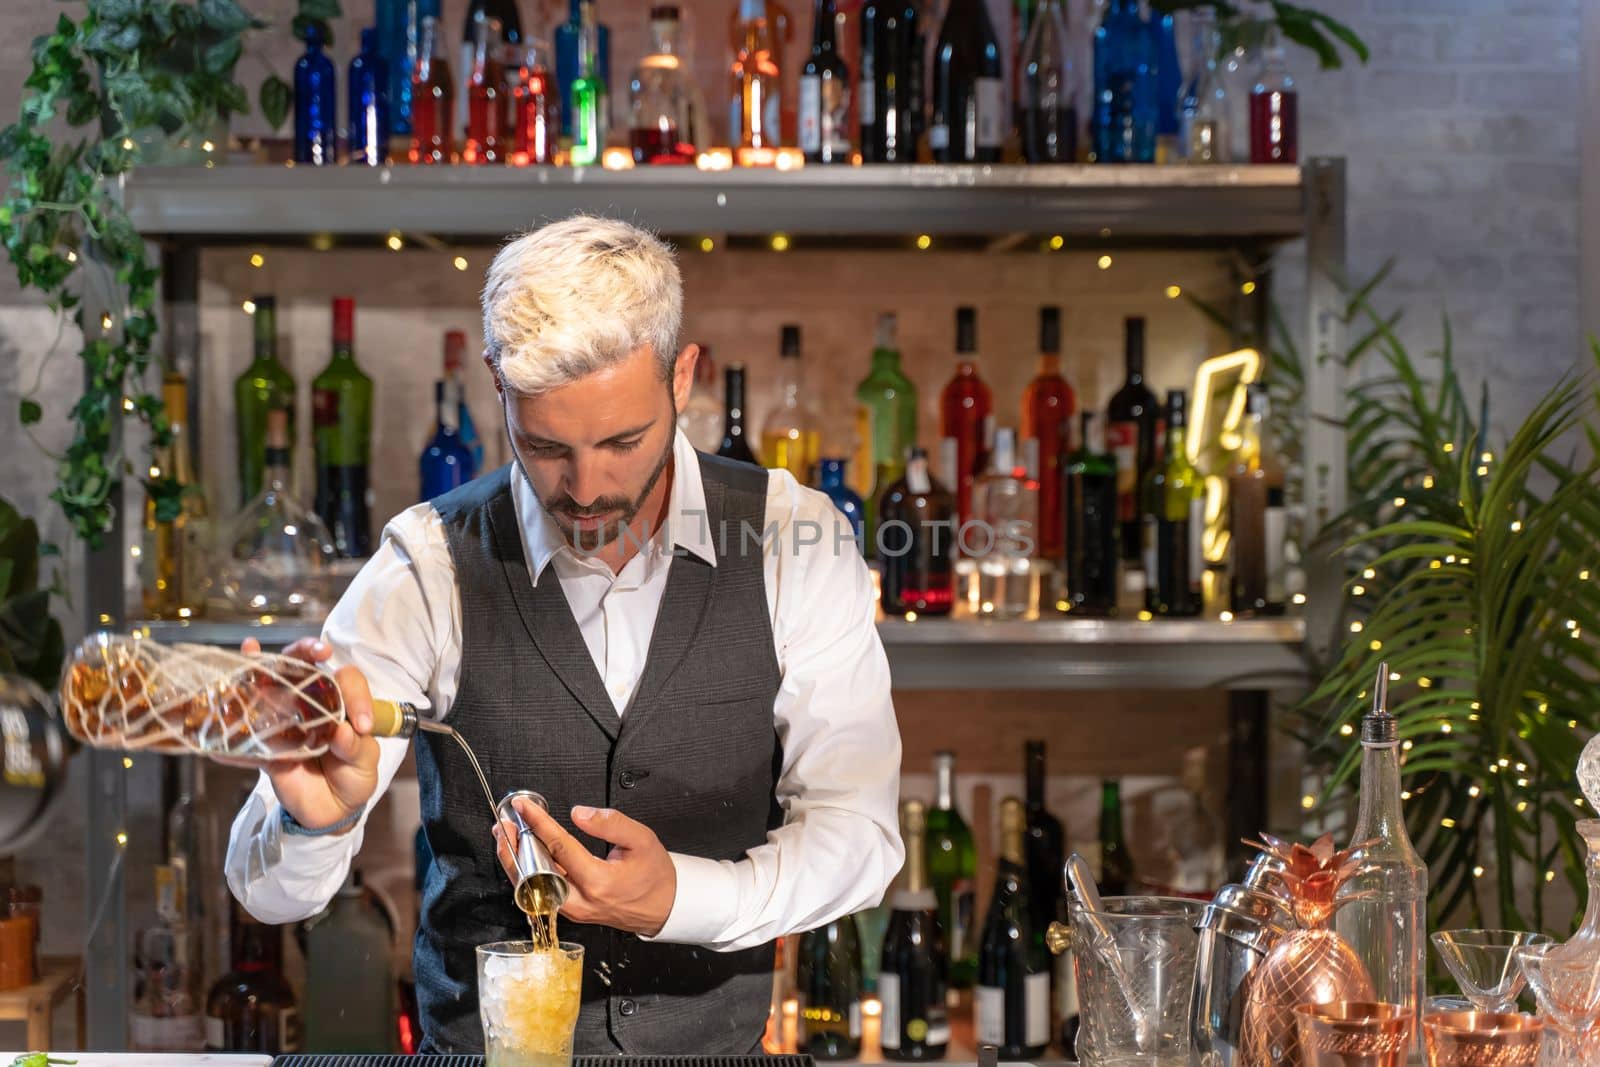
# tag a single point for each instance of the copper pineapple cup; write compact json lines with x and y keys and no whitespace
{"x":1354,"y":1033}
{"x":1482,"y":1039}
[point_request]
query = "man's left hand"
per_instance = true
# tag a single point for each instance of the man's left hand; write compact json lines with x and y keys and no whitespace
{"x":631,"y":889}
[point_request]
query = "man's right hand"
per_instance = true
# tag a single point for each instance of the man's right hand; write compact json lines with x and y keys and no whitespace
{"x":328,"y":789}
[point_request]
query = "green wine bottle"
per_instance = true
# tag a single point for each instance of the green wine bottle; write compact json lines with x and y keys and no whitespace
{"x":886,"y":422}
{"x":341,"y":410}
{"x":952,"y":864}
{"x":265,"y":385}
{"x":1116,"y":866}
{"x":829,"y":979}
{"x":1174,"y":522}
{"x":1011,"y":1008}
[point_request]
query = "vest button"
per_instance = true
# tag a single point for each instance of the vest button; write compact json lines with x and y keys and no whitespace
{"x":627,"y":780}
{"x":628,"y":1008}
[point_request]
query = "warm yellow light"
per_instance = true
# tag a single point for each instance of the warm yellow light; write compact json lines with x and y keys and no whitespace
{"x":1057,"y":243}
{"x":1405,"y":746}
{"x":122,"y":838}
{"x":1369,"y":574}
{"x":249,"y":307}
{"x":987,"y":607}
{"x":1449,"y":447}
{"x":1244,"y":367}
{"x":184,"y":613}
{"x":789,"y":159}
{"x":1549,"y":876}
{"x":1434,"y":564}
{"x":1477,"y":872}
{"x":72,"y":257}
{"x":1583,"y":576}
{"x":924,"y":242}
{"x":911,"y":616}
{"x":1226,"y":616}
{"x":1522,"y":805}
{"x":1427,"y":481}
{"x":321,"y":242}
{"x":1298,"y":598}
{"x":1444,"y":728}
{"x":1448,"y":823}
{"x":1473,"y":791}
{"x":257,"y":259}
{"x":1483,"y":472}
{"x":780,"y":242}
{"x":1062,"y":605}
{"x":1375,"y":645}
{"x":1173,"y":292}
{"x":1145,"y":616}
{"x":616,"y":159}
{"x":135,"y":551}
{"x":1346,"y":730}
{"x":127,"y":763}
{"x":1358,"y":590}
{"x":1357,"y":626}
{"x":1487,"y":457}
{"x":791,"y":1007}
{"x":871,"y":1007}
{"x":460,"y":263}
{"x":1399,"y":501}
{"x":1308,"y":802}
{"x":1104,"y":262}
{"x":714,"y":159}
{"x":1516,"y":526}
{"x":707,"y":244}
{"x":106,"y":321}
{"x":395,"y":242}
{"x":105,"y":620}
{"x":155,"y":472}
{"x":1247,"y":288}
{"x":127,"y":403}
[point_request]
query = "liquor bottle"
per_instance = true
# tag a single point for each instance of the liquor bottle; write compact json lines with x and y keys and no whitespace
{"x":790,"y":439}
{"x":1274,"y":108}
{"x":831,"y":481}
{"x":432,"y":94}
{"x":911,"y":981}
{"x":455,"y":350}
{"x":1385,"y":915}
{"x":1046,"y":851}
{"x":1006,"y":500}
{"x":660,"y":125}
{"x":446,"y":462}
{"x":1125,"y":87}
{"x":173,"y":549}
{"x":1116,"y":866}
{"x":968,"y":123}
{"x":316,"y":107}
{"x":489,"y":137}
{"x":277,"y":553}
{"x":265,"y":385}
{"x":1047,"y":102}
{"x":165,"y":1015}
{"x":916,"y":543}
{"x":535,"y":110}
{"x":1204,"y":136}
{"x":886,"y":420}
{"x":1092,"y":529}
{"x":825,"y":93}
{"x":1169,"y":83}
{"x":1048,"y":404}
{"x":1257,"y":517}
{"x":1011,"y":1008}
{"x":828,"y":977}
{"x":735,"y":441}
{"x":505,"y":14}
{"x":952,"y":866}
{"x":350,"y":980}
{"x":1188,"y":842}
{"x":367,"y":136}
{"x":887,"y":94}
{"x":1131,"y":435}
{"x":191,"y":850}
{"x":1174,"y":521}
{"x":702,"y":417}
{"x":755,"y":100}
{"x":569,"y":58}
{"x":966,"y":423}
{"x":399,"y":28}
{"x":590,"y":101}
{"x":341,"y":416}
{"x":252,"y":1008}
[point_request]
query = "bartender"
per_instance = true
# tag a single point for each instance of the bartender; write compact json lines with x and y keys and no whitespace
{"x":677,"y":650}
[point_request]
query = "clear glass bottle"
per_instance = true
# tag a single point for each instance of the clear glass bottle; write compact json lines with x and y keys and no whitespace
{"x":1048,"y":108}
{"x":701,"y":418}
{"x":755,"y":96}
{"x":1006,"y":500}
{"x":1205,"y":137}
{"x":174,"y":550}
{"x":279,"y":552}
{"x":589,"y":95}
{"x":535,"y":106}
{"x":165,"y":1015}
{"x":1385,"y":911}
{"x":790,"y":439}
{"x":350,"y":975}
{"x":659,"y":126}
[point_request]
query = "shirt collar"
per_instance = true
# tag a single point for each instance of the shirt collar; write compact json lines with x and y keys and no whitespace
{"x":688,"y":524}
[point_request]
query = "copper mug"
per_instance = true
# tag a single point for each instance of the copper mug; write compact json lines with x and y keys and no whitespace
{"x":1482,"y":1039}
{"x":1354,"y":1033}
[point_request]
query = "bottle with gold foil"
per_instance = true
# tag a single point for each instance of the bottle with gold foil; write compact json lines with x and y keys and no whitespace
{"x":828,"y":979}
{"x":1012,"y":1007}
{"x":176,"y":540}
{"x":911,"y":983}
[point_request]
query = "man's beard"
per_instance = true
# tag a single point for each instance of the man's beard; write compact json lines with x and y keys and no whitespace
{"x":565,"y":510}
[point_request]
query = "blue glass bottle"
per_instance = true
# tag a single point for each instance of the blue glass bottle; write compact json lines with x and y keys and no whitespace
{"x":316,"y":109}
{"x":1169,"y":83}
{"x":1125,"y":90}
{"x":844,"y":498}
{"x":569,"y":60}
{"x":367,"y":137}
{"x":399,"y":23}
{"x":446,"y":462}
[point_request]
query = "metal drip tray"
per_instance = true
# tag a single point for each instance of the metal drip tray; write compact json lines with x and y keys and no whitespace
{"x":384,"y":1060}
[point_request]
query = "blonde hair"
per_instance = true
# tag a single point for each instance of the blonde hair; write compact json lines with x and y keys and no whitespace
{"x":578,"y":295}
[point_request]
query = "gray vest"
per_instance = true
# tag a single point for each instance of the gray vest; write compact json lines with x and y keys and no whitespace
{"x":696,"y":758}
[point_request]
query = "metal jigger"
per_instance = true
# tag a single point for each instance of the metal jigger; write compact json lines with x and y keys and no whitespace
{"x":540,"y":887}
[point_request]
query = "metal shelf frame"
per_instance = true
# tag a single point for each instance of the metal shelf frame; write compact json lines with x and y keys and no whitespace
{"x":183,"y":210}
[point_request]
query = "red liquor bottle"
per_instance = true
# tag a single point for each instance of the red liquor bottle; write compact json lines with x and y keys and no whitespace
{"x":966,"y":417}
{"x":535,"y":108}
{"x":432,"y":97}
{"x":488,"y":118}
{"x":1048,"y":405}
{"x":1274,"y":109}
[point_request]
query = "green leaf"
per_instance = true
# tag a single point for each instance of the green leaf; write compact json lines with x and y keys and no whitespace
{"x":29,"y":412}
{"x":225,"y":16}
{"x":221,"y":57}
{"x":276,"y":98}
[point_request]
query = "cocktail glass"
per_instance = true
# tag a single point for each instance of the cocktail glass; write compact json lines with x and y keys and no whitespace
{"x":528,"y":1000}
{"x":1565,"y":980}
{"x":1483,"y":964}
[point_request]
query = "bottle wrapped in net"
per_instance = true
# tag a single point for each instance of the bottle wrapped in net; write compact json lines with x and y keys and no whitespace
{"x":127,"y":692}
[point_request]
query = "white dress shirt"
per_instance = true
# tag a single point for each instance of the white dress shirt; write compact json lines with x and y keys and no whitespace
{"x":839,"y":846}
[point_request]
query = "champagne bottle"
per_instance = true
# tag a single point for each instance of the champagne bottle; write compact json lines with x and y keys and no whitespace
{"x":952,"y":863}
{"x":829,"y":980}
{"x":911,"y":983}
{"x":1012,"y":1005}
{"x":1116,"y":866}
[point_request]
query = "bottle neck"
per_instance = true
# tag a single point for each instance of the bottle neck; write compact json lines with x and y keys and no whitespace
{"x":1379,"y":814}
{"x":885,"y":358}
{"x":275,"y":473}
{"x":791,"y":376}
{"x":832,"y":476}
{"x":664,"y":35}
{"x":266,"y":348}
{"x":944,"y":773}
{"x":1011,"y":836}
{"x":822,"y":31}
{"x":1111,"y":815}
{"x":1176,"y":449}
{"x":448,"y":407}
{"x":1035,"y":777}
{"x":916,"y":880}
{"x":734,"y":399}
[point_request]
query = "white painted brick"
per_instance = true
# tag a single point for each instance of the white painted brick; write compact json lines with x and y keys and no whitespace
{"x":1555,"y":181}
{"x":1538,"y":91}
{"x":1520,"y":42}
{"x":1411,"y":90}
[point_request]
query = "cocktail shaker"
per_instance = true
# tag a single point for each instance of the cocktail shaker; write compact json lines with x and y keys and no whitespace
{"x":540,"y":887}
{"x":1237,"y":930}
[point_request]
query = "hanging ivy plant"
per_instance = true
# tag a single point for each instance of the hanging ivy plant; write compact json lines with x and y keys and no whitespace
{"x":124,"y":71}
